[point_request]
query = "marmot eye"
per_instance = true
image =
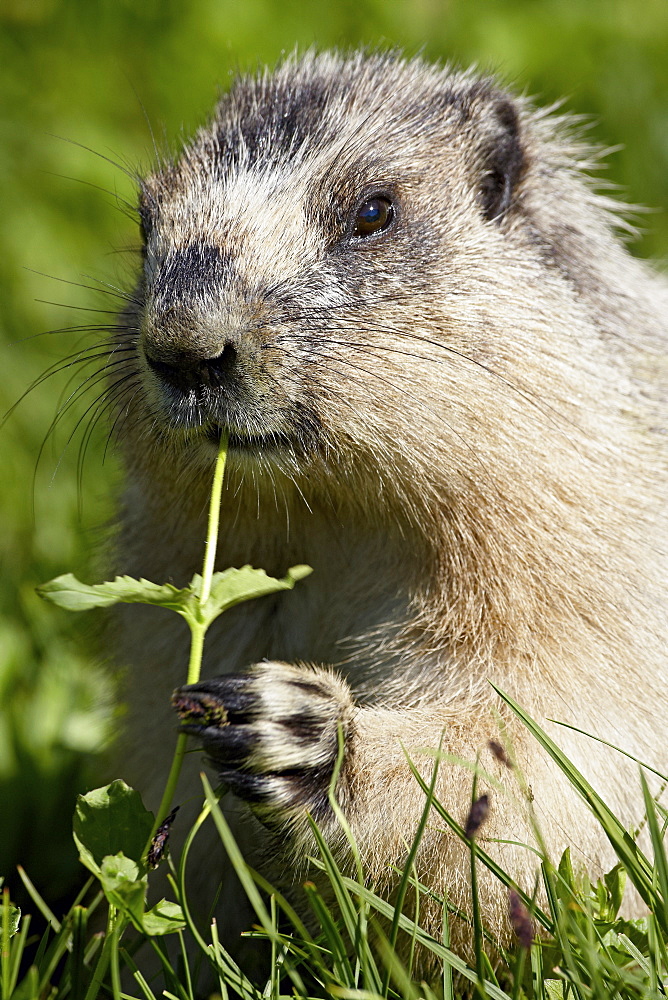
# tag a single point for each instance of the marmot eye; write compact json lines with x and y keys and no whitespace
{"x":373,"y":217}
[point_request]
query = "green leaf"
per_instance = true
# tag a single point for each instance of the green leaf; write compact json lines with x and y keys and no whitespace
{"x":13,"y":918}
{"x":660,"y":907}
{"x":108,"y":820}
{"x":117,"y":870}
{"x":565,"y":869}
{"x":229,"y":587}
{"x":163,"y":918}
{"x":123,"y":886}
{"x":69,"y":593}
{"x":615,"y":884}
{"x":232,"y":586}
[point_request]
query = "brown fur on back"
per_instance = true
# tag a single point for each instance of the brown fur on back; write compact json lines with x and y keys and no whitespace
{"x":458,"y":422}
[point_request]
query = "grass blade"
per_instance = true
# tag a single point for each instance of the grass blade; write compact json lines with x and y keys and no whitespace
{"x":246,"y":879}
{"x":236,"y":979}
{"x":38,"y":900}
{"x":660,"y":863}
{"x":503,"y":877}
{"x":638,"y":867}
{"x":341,"y":967}
{"x":386,"y":910}
{"x":354,"y":921}
{"x":408,"y":867}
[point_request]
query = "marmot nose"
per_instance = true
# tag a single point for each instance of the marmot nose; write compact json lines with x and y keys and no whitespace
{"x":183,"y":370}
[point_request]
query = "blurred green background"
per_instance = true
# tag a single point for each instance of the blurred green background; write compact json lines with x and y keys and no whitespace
{"x":80,"y":81}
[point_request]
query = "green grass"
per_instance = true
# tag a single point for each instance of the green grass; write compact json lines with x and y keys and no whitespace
{"x":573,"y":944}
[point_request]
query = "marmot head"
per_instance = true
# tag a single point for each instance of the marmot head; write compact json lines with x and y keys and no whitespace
{"x":298,"y":253}
{"x":351,"y":266}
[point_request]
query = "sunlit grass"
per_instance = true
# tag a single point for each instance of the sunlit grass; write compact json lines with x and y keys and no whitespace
{"x":339,"y":938}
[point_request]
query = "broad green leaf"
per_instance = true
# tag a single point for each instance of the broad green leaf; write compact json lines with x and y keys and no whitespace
{"x":117,"y":870}
{"x":69,"y":593}
{"x":232,"y":586}
{"x":554,"y":989}
{"x":163,"y":918}
{"x":122,"y":884}
{"x":108,"y":820}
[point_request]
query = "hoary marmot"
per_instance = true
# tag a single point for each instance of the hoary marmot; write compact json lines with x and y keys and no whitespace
{"x":444,"y":383}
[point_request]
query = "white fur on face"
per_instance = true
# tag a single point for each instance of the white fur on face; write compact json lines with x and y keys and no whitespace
{"x":256,"y":217}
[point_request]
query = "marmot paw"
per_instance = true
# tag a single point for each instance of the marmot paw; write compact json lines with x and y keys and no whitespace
{"x":271,"y":733}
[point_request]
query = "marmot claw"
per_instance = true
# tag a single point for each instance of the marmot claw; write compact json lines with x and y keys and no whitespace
{"x":272,"y":734}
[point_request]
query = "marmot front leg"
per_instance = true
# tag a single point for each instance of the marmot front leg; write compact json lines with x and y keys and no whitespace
{"x":273,"y":736}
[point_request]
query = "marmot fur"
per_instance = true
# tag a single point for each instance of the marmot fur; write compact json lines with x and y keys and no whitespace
{"x":443,"y":377}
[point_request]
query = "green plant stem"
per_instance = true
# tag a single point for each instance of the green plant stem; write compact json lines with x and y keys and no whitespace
{"x":197,"y":633}
{"x":197,"y":630}
{"x":170,"y":787}
{"x":214,"y":518}
{"x":116,"y":924}
{"x":114,"y":963}
{"x":4,"y":954}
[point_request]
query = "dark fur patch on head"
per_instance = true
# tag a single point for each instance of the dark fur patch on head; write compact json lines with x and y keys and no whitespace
{"x":185,"y":273}
{"x":504,"y":161}
{"x":271,"y":114}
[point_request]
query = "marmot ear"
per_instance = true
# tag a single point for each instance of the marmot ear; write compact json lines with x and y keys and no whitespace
{"x":502,"y":160}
